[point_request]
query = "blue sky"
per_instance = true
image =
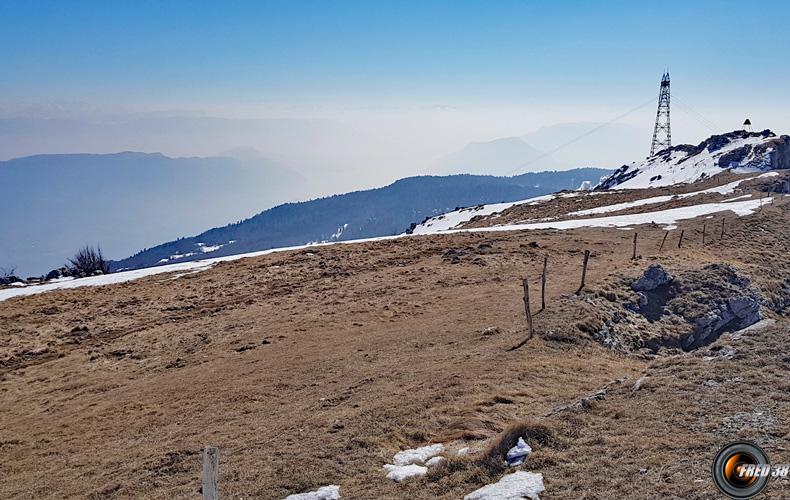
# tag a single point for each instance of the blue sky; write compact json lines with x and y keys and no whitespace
{"x":173,"y":53}
{"x":441,"y":72}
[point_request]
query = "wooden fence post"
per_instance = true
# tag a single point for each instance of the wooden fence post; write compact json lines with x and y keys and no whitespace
{"x":666,"y":233}
{"x":721,"y":236}
{"x":633,"y":257}
{"x":680,"y":241}
{"x":703,"y":234}
{"x":584,"y":271}
{"x":525,"y":283}
{"x":210,"y":473}
{"x":543,"y":283}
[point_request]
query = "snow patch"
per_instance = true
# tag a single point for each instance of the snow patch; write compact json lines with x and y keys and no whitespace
{"x":669,"y":216}
{"x":409,"y":463}
{"x":337,"y":234}
{"x":208,"y":248}
{"x":453,"y":219}
{"x":417,"y":455}
{"x":434,"y":461}
{"x":400,"y":473}
{"x":516,"y":486}
{"x":723,"y":189}
{"x":331,"y":492}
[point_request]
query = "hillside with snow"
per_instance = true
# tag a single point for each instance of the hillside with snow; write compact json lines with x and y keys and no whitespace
{"x":690,"y":278}
{"x":376,"y":212}
{"x":740,"y":151}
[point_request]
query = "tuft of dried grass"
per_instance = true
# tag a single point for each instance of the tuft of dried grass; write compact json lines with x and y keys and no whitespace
{"x":534,"y":433}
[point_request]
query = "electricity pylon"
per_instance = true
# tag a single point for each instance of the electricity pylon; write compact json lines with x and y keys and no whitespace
{"x":662,"y":134}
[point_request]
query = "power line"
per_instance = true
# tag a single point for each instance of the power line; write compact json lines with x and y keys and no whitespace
{"x":580,"y":137}
{"x":697,"y":115}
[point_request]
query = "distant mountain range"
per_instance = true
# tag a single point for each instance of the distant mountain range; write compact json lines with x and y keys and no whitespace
{"x":54,"y":204}
{"x":360,"y":214}
{"x":553,"y":147}
{"x":501,"y":157}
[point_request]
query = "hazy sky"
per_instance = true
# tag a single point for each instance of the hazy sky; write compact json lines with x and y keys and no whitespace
{"x":404,"y":81}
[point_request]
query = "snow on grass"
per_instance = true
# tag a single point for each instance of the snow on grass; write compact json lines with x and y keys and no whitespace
{"x":337,"y":234}
{"x":181,"y":267}
{"x":400,"y":473}
{"x":331,"y":492}
{"x":669,"y":218}
{"x":434,"y":461}
{"x":417,"y":455}
{"x":452,"y":219}
{"x":409,"y":463}
{"x":739,"y":198}
{"x":723,"y":189}
{"x":516,"y":486}
{"x":622,"y":206}
{"x":208,"y":248}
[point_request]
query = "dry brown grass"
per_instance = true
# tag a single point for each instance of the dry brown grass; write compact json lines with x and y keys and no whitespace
{"x":535,"y":434}
{"x":113,"y":391}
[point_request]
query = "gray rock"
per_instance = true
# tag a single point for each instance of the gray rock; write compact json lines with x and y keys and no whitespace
{"x":653,"y":277}
{"x":491,"y":330}
{"x":7,"y":280}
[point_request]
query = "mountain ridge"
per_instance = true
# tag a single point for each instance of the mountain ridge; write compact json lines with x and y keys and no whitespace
{"x":739,"y":150}
{"x":359,"y":214}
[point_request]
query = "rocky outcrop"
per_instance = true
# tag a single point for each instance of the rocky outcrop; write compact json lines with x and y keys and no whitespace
{"x":653,"y":277}
{"x":688,"y":163}
{"x":69,"y":272}
{"x":10,"y":279}
{"x":686,"y":311}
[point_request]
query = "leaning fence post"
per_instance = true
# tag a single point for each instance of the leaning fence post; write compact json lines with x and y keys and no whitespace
{"x":525,"y":282}
{"x":663,"y":240}
{"x":210,"y":473}
{"x":543,"y":283}
{"x":680,"y":241}
{"x":584,"y":271}
{"x":633,"y":257}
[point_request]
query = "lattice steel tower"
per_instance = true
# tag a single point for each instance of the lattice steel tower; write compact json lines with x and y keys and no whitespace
{"x":662,"y":134}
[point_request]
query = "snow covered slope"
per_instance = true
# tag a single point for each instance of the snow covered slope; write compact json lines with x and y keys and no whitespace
{"x":452,"y":219}
{"x":454,"y":222}
{"x":740,"y":150}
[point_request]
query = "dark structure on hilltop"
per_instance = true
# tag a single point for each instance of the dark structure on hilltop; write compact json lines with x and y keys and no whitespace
{"x":662,"y":133}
